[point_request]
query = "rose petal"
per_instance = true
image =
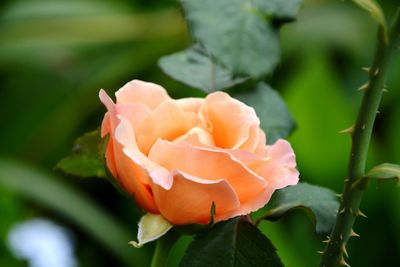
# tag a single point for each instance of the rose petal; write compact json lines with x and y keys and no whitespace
{"x":252,"y":141}
{"x":281,"y":168}
{"x":189,"y":200}
{"x":110,"y":159}
{"x":261,"y":148}
{"x":135,"y":113}
{"x":110,"y":119}
{"x":105,"y":125}
{"x":229,"y":120}
{"x":131,"y":176}
{"x":168,"y":121}
{"x":126,"y":137}
{"x":192,"y":104}
{"x":209,"y":165}
{"x":149,"y":94}
{"x":197,"y":136}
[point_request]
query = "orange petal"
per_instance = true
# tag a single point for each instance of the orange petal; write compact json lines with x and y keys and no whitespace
{"x":280,"y":171}
{"x":192,"y":104}
{"x":197,"y":136}
{"x":229,"y":120}
{"x":135,"y":113}
{"x":111,"y":116}
{"x":149,"y":94}
{"x":131,"y":176}
{"x":190,"y":198}
{"x":110,"y":159}
{"x":168,"y":121}
{"x":126,"y":137}
{"x":252,"y":141}
{"x":105,"y":125}
{"x":261,"y":148}
{"x":208,"y":164}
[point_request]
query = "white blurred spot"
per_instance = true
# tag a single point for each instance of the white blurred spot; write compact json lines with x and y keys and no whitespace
{"x":42,"y":243}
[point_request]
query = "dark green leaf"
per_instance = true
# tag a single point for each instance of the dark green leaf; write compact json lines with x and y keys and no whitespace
{"x":235,"y":33}
{"x":86,"y":159}
{"x":235,"y":243}
{"x":274,"y":115}
{"x":194,"y":68}
{"x":321,"y":203}
{"x":279,"y":8}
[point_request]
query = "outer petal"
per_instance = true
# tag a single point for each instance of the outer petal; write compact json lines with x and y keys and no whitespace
{"x":149,"y":94}
{"x":208,"y":164}
{"x":229,"y":120}
{"x":281,"y":168}
{"x":134,"y":180}
{"x":189,"y":200}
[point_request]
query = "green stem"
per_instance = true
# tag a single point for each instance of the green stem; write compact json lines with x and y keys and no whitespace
{"x":351,"y":197}
{"x":163,"y":248}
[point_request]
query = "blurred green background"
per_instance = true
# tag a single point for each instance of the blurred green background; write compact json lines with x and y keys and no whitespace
{"x":55,"y":55}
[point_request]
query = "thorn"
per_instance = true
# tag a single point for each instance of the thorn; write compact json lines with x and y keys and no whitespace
{"x":360,"y":213}
{"x":354,"y":234}
{"x":363,"y":127}
{"x":349,"y":130}
{"x":342,"y":211}
{"x":341,"y":237}
{"x":320,"y":252}
{"x":344,"y":250}
{"x":376,"y":72}
{"x":343,"y":262}
{"x":339,"y":195}
{"x":363,"y":87}
{"x":366,"y":69}
{"x":378,"y":112}
{"x":326,"y":241}
{"x":347,"y":180}
{"x":385,"y":90}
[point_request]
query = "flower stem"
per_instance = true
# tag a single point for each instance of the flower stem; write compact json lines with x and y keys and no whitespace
{"x":163,"y":248}
{"x":351,"y":197}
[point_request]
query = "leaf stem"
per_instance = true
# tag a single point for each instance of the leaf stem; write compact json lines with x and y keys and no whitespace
{"x":351,"y":197}
{"x":163,"y":248}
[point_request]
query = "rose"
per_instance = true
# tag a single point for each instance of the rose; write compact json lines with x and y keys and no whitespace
{"x":177,"y":157}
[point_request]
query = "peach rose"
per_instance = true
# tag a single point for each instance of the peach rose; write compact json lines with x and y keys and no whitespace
{"x":177,"y":157}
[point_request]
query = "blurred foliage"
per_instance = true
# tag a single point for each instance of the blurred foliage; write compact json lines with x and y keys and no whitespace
{"x":55,"y":55}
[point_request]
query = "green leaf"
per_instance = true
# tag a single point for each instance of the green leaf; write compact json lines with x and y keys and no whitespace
{"x":196,"y":69}
{"x":235,"y":242}
{"x":86,"y":159}
{"x":278,"y":8}
{"x":383,"y":171}
{"x":235,"y":33}
{"x":274,"y":115}
{"x":50,"y":192}
{"x":320,"y":203}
